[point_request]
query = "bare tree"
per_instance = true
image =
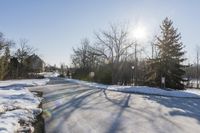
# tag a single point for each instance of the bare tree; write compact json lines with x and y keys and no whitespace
{"x":80,"y":56}
{"x":113,"y":45}
{"x":22,"y":54}
{"x":24,"y":50}
{"x":4,"y":43}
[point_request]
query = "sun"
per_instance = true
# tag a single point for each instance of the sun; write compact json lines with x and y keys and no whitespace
{"x":140,"y":33}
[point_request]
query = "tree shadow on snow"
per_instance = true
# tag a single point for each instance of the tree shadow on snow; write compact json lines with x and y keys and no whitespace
{"x":14,"y":86}
{"x":66,"y":109}
{"x":187,"y":107}
{"x":122,"y":104}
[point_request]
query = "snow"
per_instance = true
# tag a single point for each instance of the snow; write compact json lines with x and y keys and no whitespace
{"x":190,"y":93}
{"x":17,"y":104}
{"x":24,"y":82}
{"x":49,"y":74}
{"x":194,"y":91}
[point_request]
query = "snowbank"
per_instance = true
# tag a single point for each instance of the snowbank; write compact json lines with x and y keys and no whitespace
{"x":142,"y":90}
{"x":18,"y":106}
{"x":24,"y":82}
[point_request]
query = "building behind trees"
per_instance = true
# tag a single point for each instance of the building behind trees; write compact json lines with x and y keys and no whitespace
{"x":23,"y":63}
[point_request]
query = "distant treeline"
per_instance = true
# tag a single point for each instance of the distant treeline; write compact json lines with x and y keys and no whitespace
{"x":113,"y":58}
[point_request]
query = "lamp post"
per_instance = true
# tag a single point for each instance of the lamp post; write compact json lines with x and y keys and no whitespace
{"x":163,"y":82}
{"x":132,"y":67}
{"x":92,"y":74}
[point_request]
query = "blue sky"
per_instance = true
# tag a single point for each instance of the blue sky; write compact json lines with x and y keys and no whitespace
{"x":55,"y":26}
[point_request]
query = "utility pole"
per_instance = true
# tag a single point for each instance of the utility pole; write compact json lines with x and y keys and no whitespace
{"x":197,"y":69}
{"x":152,"y":48}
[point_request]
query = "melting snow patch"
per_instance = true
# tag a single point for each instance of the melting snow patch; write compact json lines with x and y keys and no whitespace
{"x":18,"y":106}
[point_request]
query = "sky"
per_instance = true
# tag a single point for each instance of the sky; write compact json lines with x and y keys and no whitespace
{"x":54,"y":27}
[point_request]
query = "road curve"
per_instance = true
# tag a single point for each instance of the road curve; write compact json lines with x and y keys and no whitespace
{"x":73,"y":108}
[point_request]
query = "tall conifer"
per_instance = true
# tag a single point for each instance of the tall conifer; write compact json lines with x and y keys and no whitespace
{"x":169,"y":62}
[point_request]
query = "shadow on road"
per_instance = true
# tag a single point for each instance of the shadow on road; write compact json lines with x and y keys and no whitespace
{"x":59,"y":95}
{"x":123,"y":104}
{"x":66,"y":103}
{"x":142,"y":113}
{"x":66,"y":109}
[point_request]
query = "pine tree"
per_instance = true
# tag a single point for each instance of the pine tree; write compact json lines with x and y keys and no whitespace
{"x":169,"y":62}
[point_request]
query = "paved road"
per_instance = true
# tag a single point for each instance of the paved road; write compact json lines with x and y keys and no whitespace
{"x":73,"y":108}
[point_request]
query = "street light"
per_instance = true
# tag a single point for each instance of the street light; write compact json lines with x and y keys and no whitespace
{"x":132,"y":67}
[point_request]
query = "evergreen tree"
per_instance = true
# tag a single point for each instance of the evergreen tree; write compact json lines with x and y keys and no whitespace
{"x":169,"y":62}
{"x":4,"y":65}
{"x":13,"y":68}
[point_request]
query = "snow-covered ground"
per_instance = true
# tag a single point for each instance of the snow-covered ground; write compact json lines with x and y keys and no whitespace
{"x":49,"y":74}
{"x":190,"y":93}
{"x":24,"y":82}
{"x":18,"y":106}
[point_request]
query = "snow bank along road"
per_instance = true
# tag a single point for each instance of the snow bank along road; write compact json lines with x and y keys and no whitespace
{"x":74,"y":108}
{"x":18,"y":106}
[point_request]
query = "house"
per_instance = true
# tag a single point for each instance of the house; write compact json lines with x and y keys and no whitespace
{"x":35,"y":63}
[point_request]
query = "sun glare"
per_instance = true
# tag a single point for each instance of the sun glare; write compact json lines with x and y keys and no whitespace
{"x":140,"y":33}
